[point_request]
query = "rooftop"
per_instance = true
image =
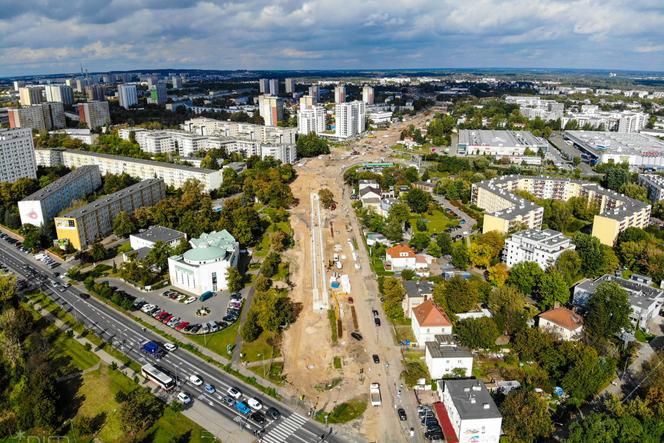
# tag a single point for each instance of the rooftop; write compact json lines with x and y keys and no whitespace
{"x":219,"y":239}
{"x":418,"y":288}
{"x":545,"y":237}
{"x":428,"y":314}
{"x":627,"y":143}
{"x":159,"y":233}
{"x":639,"y":294}
{"x":471,"y":399}
{"x":437,"y":350}
{"x":563,"y":317}
{"x":482,"y":137}
{"x":397,"y":250}
{"x":63,"y":182}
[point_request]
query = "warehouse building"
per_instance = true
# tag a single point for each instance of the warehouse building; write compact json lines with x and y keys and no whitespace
{"x":640,"y":151}
{"x":499,"y":143}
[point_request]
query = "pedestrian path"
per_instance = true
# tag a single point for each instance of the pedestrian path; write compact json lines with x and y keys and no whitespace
{"x":285,"y":429}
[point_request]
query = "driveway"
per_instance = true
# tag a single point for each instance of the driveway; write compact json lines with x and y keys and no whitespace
{"x":469,"y":222}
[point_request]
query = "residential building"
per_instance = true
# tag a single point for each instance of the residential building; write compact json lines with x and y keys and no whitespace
{"x":444,"y":358}
{"x":533,"y":107}
{"x":95,"y":93}
{"x":362,"y":184}
{"x":616,"y":121}
{"x":148,"y":237}
{"x":311,"y":120}
{"x":42,"y":117}
{"x":205,"y":267}
{"x":417,"y":292}
{"x":368,"y":95}
{"x":40,"y":207}
{"x":289,"y":85}
{"x":158,"y":94}
{"x":542,"y":247}
{"x":60,"y":93}
{"x":81,"y":83}
{"x":340,"y":94}
{"x":565,"y":323}
{"x":400,"y":257}
{"x":127,"y":95}
{"x":505,"y":211}
{"x":158,"y":142}
{"x":427,"y":321}
{"x":176,"y":81}
{"x":640,"y":151}
{"x":283,"y":153}
{"x":17,"y":159}
{"x":307,"y":102}
{"x":172,"y":174}
{"x":274,"y":86}
{"x":314,"y":93}
{"x":467,"y":413}
{"x":18,"y":85}
{"x":30,"y":95}
{"x":350,"y":119}
{"x":241,"y":131}
{"x":83,"y":226}
{"x":654,"y":184}
{"x":84,"y":135}
{"x":427,"y":187}
{"x":645,"y":301}
{"x":379,"y":118}
{"x":370,"y":198}
{"x":271,"y":108}
{"x":264,"y":86}
{"x":499,"y":143}
{"x":94,"y":114}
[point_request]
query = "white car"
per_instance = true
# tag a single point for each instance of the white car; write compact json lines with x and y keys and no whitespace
{"x":195,"y":380}
{"x":190,"y":300}
{"x":254,"y":404}
{"x":170,"y":347}
{"x":184,"y":398}
{"x":235,"y":393}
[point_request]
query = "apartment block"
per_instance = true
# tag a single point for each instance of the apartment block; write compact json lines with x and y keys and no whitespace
{"x":17,"y":158}
{"x":41,"y":206}
{"x":95,"y":93}
{"x":242,"y":131}
{"x":340,"y":94}
{"x":654,"y":184}
{"x":290,"y":85}
{"x":127,"y":96}
{"x":84,"y":225}
{"x":368,"y":95}
{"x":310,"y":120}
{"x":542,"y":247}
{"x":271,"y":108}
{"x":60,"y":93}
{"x":30,"y":95}
{"x":94,"y":114}
{"x":350,"y":119}
{"x":158,"y":94}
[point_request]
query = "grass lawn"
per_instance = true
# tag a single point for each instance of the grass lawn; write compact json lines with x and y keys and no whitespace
{"x":218,"y":341}
{"x":436,"y":223}
{"x":332,"y":318}
{"x":260,"y":349}
{"x":80,"y":357}
{"x":124,"y":247}
{"x":272,"y":372}
{"x":345,"y":412}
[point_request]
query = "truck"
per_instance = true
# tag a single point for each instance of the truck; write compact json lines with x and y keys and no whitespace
{"x":374,"y":390}
{"x":153,"y":349}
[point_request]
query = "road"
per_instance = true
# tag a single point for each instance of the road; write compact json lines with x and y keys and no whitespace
{"x":570,"y":152}
{"x":127,"y":336}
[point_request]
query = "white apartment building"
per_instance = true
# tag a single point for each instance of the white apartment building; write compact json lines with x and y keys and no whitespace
{"x":617,"y":121}
{"x":311,"y":120}
{"x":176,"y":81}
{"x":368,"y":95}
{"x":340,"y":94}
{"x":127,"y":95}
{"x":290,"y":85}
{"x":350,"y":119}
{"x":157,"y":142}
{"x":444,"y":357}
{"x":271,"y":108}
{"x":654,"y":184}
{"x":60,"y":93}
{"x":542,"y":247}
{"x":172,"y":174}
{"x":467,"y":413}
{"x":314,"y":93}
{"x":242,"y":131}
{"x":42,"y":117}
{"x":532,"y":107}
{"x":17,"y":157}
{"x":205,"y":267}
{"x":83,"y":135}
{"x":274,"y":86}
{"x":283,"y":153}
{"x":264,"y":86}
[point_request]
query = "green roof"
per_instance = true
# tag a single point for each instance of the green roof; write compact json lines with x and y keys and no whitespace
{"x":204,"y":254}
{"x":220,"y":239}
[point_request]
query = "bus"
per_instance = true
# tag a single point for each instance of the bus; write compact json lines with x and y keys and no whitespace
{"x":153,"y":374}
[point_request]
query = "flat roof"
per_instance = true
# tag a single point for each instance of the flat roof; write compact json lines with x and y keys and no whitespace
{"x":638,"y":294}
{"x":545,"y":237}
{"x":63,"y":182}
{"x":471,"y":399}
{"x":487,"y":137}
{"x":159,"y":233}
{"x":627,"y":143}
{"x":438,"y":350}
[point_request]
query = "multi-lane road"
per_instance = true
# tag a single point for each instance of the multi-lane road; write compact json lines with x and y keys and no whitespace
{"x":127,"y":335}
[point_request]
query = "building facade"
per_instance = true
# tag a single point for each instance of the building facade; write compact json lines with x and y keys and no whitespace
{"x":289,"y":83}
{"x":542,"y":247}
{"x":150,"y":236}
{"x":428,"y":320}
{"x":158,"y":94}
{"x":499,"y":143}
{"x":127,"y":95}
{"x":241,"y":131}
{"x":565,"y":323}
{"x":271,"y":108}
{"x":60,"y":93}
{"x":654,"y":184}
{"x":94,"y":114}
{"x":368,"y":95}
{"x":95,"y":93}
{"x":42,"y":117}
{"x":350,"y":119}
{"x":18,"y":155}
{"x":30,"y":95}
{"x":340,"y":94}
{"x":444,"y":358}
{"x":311,"y":120}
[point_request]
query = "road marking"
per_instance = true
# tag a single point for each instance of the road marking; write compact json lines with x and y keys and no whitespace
{"x":286,"y":429}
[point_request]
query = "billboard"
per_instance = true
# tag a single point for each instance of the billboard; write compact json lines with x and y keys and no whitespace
{"x":31,"y":212}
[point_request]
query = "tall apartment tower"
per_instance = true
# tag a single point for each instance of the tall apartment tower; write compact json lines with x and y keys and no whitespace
{"x":94,"y":114}
{"x":95,"y":92}
{"x":176,"y":81}
{"x":30,"y":95}
{"x":368,"y":95}
{"x":17,"y":155}
{"x":264,"y":86}
{"x":306,"y":101}
{"x":18,"y":84}
{"x":158,"y":94}
{"x":340,"y":94}
{"x":314,"y":92}
{"x":310,"y":120}
{"x":42,"y":117}
{"x":290,"y":85}
{"x":81,"y":84}
{"x":350,"y":119}
{"x":60,"y":93}
{"x":127,"y":95}
{"x":271,"y":108}
{"x":274,"y":86}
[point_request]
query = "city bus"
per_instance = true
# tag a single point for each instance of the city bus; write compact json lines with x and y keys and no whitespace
{"x":153,"y":374}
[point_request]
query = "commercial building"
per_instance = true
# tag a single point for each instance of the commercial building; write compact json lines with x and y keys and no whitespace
{"x":41,"y":206}
{"x":467,"y":413}
{"x":290,"y":85}
{"x":274,"y":86}
{"x":42,"y":117}
{"x":84,"y":225}
{"x":350,"y":119}
{"x":654,"y":184}
{"x":205,"y":267}
{"x":158,"y":94}
{"x":127,"y":95}
{"x":428,"y":320}
{"x":640,"y":151}
{"x":241,"y":131}
{"x":172,"y":174}
{"x":95,"y":93}
{"x":17,"y":157}
{"x":563,"y":322}
{"x":264,"y":86}
{"x":30,"y":95}
{"x":542,"y":247}
{"x":60,"y":93}
{"x":645,"y":301}
{"x":368,"y":95}
{"x":311,"y":120}
{"x":444,"y":358}
{"x":499,"y":143}
{"x":94,"y":114}
{"x":505,"y":211}
{"x":340,"y":94}
{"x":271,"y":108}
{"x":148,"y":237}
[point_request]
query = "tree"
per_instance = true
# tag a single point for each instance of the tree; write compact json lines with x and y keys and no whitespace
{"x":526,"y":416}
{"x":498,"y":274}
{"x":98,"y":252}
{"x":444,"y":240}
{"x":251,"y":329}
{"x":418,"y":200}
{"x":234,"y":279}
{"x":568,"y":265}
{"x":635,"y":191}
{"x":477,"y":333}
{"x":32,"y":239}
{"x":480,"y":255}
{"x":419,"y":241}
{"x":615,"y":178}
{"x":262,"y":283}
{"x":270,"y":265}
{"x":461,"y":295}
{"x":273,"y":309}
{"x":608,"y":312}
{"x":407,"y":274}
{"x":139,"y":412}
{"x":393,"y":292}
{"x":433,"y":249}
{"x":123,"y":224}
{"x":326,"y":198}
{"x":460,"y":258}
{"x":552,"y":288}
{"x":310,"y":145}
{"x":595,"y":260}
{"x":158,"y":255}
{"x":587,"y":375}
{"x":525,"y":276}
{"x":278,"y":240}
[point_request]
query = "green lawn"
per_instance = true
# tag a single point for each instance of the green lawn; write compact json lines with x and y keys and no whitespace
{"x":272,"y":372}
{"x":218,"y":341}
{"x":260,"y":349}
{"x":436,"y":223}
{"x":80,"y":357}
{"x":345,"y":412}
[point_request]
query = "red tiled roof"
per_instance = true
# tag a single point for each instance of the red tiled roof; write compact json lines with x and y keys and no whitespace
{"x":564,"y":318}
{"x":428,"y":314}
{"x":445,"y":423}
{"x":396,"y":251}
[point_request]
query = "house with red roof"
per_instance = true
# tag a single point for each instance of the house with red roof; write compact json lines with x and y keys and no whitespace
{"x":400,"y":257}
{"x":567,"y":324}
{"x":428,"y":320}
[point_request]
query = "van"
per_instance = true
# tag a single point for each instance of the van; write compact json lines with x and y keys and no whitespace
{"x":205,"y":295}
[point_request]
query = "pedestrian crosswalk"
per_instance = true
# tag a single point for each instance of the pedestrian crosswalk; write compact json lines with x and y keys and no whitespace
{"x":285,"y":429}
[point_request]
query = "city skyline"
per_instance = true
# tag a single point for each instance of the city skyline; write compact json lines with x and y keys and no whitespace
{"x":259,"y":35}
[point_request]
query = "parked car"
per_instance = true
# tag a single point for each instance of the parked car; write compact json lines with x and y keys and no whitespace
{"x":167,"y":319}
{"x":356,"y":335}
{"x":236,"y":296}
{"x":190,"y":300}
{"x":195,"y":380}
{"x":194,"y":329}
{"x":376,"y":359}
{"x":273,"y":413}
{"x":402,"y":414}
{"x":180,"y":326}
{"x":170,"y":346}
{"x":377,"y":321}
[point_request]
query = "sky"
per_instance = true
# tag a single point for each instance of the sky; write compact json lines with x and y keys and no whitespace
{"x":56,"y":36}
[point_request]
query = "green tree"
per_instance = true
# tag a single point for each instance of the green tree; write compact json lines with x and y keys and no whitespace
{"x":477,"y":333}
{"x":273,"y":309}
{"x":552,"y":288}
{"x":310,"y":145}
{"x":139,"y":412}
{"x":568,"y":265}
{"x":433,"y":249}
{"x":525,"y":276}
{"x":158,"y":255}
{"x":32,"y":238}
{"x":418,"y":200}
{"x":326,"y":198}
{"x":608,"y":312}
{"x":460,"y":257}
{"x":251,"y":329}
{"x":270,"y":265}
{"x":419,"y":241}
{"x":526,"y":416}
{"x":587,"y":375}
{"x":393,"y":292}
{"x":595,"y":259}
{"x":635,"y":191}
{"x":234,"y":279}
{"x":615,"y":178}
{"x":444,"y":240}
{"x":460,"y":294}
{"x":98,"y":252}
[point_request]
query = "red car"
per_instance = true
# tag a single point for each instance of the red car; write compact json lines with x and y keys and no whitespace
{"x":168,"y":318}
{"x":180,"y":326}
{"x":162,"y":316}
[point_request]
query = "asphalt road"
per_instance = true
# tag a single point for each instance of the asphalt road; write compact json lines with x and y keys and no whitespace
{"x":127,"y":336}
